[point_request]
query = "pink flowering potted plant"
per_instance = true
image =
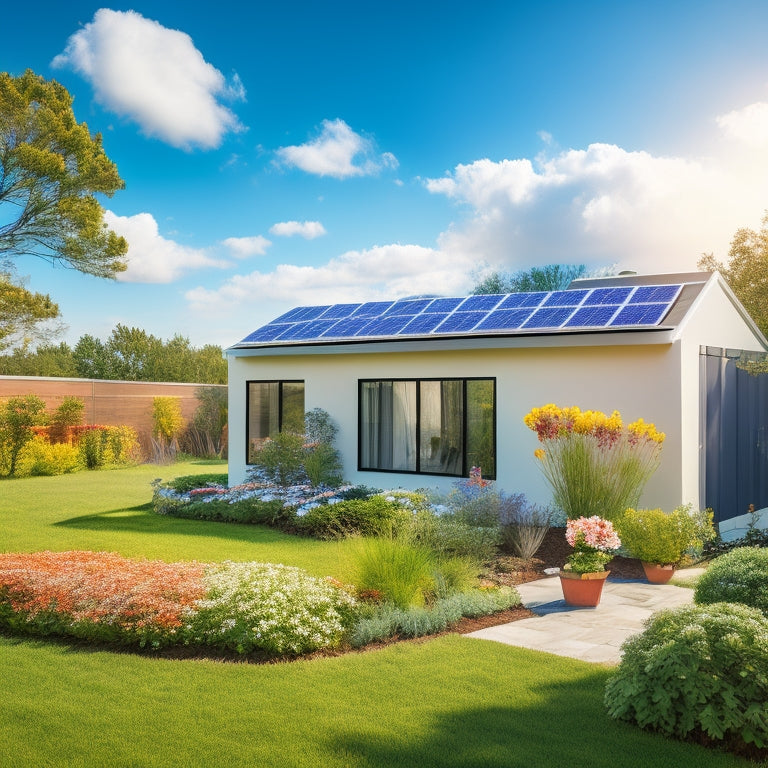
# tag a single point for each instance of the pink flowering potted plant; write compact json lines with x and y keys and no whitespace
{"x":593,"y":540}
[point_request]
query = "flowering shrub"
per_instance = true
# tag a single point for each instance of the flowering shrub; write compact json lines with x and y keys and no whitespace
{"x":39,"y":457}
{"x":593,"y":540}
{"x":276,"y":609}
{"x":594,"y":464}
{"x":241,"y":606}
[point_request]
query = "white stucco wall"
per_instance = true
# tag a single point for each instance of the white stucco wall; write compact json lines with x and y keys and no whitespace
{"x":630,"y":379}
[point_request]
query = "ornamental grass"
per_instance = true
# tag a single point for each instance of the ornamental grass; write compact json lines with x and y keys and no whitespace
{"x":594,"y":464}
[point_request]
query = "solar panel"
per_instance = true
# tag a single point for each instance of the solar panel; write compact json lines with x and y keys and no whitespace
{"x":523,"y":300}
{"x":339,"y":310}
{"x":412,"y":307}
{"x":460,"y":321}
{"x":654,"y":293}
{"x":504,"y":319}
{"x":548,"y":317}
{"x":640,"y":314}
{"x":565,"y":298}
{"x":607,"y":296}
{"x":576,"y":310}
{"x":300,"y":313}
{"x":598,"y":315}
{"x":487,"y":301}
{"x":424,"y":323}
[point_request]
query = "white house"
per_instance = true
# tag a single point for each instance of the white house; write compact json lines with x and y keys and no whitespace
{"x":424,"y":388}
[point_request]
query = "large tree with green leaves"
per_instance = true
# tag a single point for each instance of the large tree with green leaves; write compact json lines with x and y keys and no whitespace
{"x":551,"y":277}
{"x":51,"y":170}
{"x":747,"y":270}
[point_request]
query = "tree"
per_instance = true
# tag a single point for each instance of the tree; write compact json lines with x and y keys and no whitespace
{"x":552,"y":277}
{"x":17,"y":417}
{"x":51,"y":168}
{"x":46,"y":360}
{"x":747,"y":271}
{"x":22,"y":313}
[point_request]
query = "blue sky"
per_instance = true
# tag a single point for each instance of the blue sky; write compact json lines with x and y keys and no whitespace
{"x":302,"y":152}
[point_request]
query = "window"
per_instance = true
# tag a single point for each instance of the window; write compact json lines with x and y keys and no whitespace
{"x":428,"y":426}
{"x":273,"y":406}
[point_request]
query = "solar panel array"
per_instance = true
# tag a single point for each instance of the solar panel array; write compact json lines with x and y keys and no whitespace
{"x":642,"y":306}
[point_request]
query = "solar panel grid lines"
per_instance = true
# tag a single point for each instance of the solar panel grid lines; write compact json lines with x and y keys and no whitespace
{"x":339,"y":311}
{"x":565,"y":298}
{"x":576,"y":309}
{"x":515,"y":300}
{"x":460,"y":321}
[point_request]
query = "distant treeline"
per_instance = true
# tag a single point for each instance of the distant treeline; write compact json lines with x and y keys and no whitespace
{"x":129,"y":354}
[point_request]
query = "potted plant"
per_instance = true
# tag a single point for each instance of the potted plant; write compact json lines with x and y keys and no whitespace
{"x":593,"y":540}
{"x":660,"y":540}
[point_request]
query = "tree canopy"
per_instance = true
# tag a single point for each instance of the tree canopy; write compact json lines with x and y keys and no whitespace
{"x":747,"y":270}
{"x":51,"y":168}
{"x":551,"y":277}
{"x":129,"y":354}
{"x":22,"y":313}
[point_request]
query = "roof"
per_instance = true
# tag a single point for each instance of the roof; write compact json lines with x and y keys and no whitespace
{"x":602,"y":305}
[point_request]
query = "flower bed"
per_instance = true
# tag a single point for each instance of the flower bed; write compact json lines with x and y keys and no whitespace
{"x":260,"y":609}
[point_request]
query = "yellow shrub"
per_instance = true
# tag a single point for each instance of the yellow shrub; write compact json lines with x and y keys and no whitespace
{"x":39,"y":457}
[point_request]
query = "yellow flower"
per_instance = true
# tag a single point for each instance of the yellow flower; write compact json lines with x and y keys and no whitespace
{"x":539,"y":453}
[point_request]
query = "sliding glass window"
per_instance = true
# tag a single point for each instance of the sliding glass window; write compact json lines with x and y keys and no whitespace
{"x":272,"y":407}
{"x":428,"y":426}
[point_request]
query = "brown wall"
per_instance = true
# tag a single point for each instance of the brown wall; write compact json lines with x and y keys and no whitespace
{"x":111,"y":403}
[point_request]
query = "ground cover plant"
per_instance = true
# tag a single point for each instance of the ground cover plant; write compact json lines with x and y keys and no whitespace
{"x":738,"y":576}
{"x":85,"y":707}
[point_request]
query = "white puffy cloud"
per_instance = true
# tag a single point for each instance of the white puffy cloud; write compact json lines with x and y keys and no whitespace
{"x":243,"y":247}
{"x":309,"y":230}
{"x":380,"y":272}
{"x":608,"y":205}
{"x":338,"y":152}
{"x":153,"y":258}
{"x":154,"y":76}
{"x":748,"y":125}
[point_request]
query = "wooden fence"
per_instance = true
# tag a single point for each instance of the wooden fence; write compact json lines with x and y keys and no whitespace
{"x":109,"y":403}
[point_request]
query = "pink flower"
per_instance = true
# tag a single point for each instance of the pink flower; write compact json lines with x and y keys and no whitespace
{"x":593,"y":532}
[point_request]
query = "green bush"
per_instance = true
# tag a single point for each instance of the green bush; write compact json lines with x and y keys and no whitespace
{"x":402,"y":574}
{"x":252,"y":511}
{"x":454,"y":574}
{"x":106,"y":446}
{"x":449,"y":536}
{"x":379,"y":622}
{"x":357,"y":517}
{"x":323,"y":466}
{"x":17,"y":417}
{"x":39,"y":457}
{"x":281,"y":457}
{"x":187,"y":483}
{"x":697,"y":670}
{"x":654,"y":536}
{"x":739,"y":576}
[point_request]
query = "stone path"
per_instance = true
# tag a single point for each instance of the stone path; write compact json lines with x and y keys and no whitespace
{"x":589,"y":634}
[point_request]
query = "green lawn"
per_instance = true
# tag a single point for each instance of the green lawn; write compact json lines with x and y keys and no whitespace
{"x":452,"y":701}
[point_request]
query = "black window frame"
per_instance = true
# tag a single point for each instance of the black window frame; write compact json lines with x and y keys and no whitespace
{"x":418,"y":471}
{"x":280,"y":383}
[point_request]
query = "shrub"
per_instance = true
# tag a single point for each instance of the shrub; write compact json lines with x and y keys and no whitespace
{"x":281,"y":458}
{"x":739,"y":576}
{"x":69,"y":414}
{"x":167,"y":423}
{"x":39,"y":457}
{"x":186,"y":483}
{"x":401,"y":573}
{"x":318,"y":427}
{"x":524,"y":525}
{"x":322,"y":464}
{"x":454,"y":574}
{"x":654,"y":536}
{"x":18,"y":415}
{"x":276,"y":609}
{"x":448,"y":536}
{"x":357,"y":517}
{"x":104,"y":446}
{"x":386,"y":620}
{"x":697,"y":670}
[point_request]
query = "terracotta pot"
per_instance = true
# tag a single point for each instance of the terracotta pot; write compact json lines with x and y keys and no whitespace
{"x":658,"y":574}
{"x":583,"y":589}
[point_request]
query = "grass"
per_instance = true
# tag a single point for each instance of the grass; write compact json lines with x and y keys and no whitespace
{"x":450,"y":701}
{"x":112,"y":511}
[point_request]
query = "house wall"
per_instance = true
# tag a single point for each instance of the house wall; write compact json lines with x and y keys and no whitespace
{"x":716,"y":321}
{"x":608,"y":374}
